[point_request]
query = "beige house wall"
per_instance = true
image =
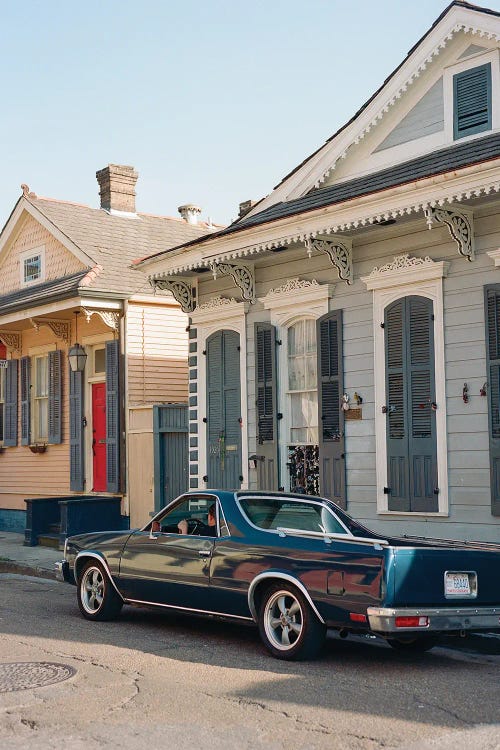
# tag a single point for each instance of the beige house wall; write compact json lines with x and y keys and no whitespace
{"x":24,"y":474}
{"x":59,"y":262}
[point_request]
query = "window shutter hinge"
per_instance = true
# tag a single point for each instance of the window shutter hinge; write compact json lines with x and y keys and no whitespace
{"x":436,"y":490}
{"x":382,"y":325}
{"x":387,"y":490}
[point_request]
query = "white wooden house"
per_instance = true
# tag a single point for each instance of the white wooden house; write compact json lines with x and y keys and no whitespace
{"x":345,"y":332}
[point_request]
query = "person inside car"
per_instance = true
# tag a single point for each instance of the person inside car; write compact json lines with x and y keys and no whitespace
{"x":200,"y":529}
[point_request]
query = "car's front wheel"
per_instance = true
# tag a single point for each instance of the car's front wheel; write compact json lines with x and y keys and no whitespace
{"x":288,"y":627}
{"x":97,"y":598}
{"x":415,"y":645}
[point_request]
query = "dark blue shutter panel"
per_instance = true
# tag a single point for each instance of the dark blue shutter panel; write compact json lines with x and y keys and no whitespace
{"x":331,"y":416}
{"x":410,"y":393}
{"x":472,"y":101}
{"x":25,"y":400}
{"x":10,"y":406}
{"x":76,"y":456}
{"x":493,"y":364}
{"x":265,"y":391}
{"x":113,"y":416}
{"x":55,"y":397}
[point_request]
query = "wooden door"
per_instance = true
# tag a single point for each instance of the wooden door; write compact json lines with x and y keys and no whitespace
{"x":99,"y":436}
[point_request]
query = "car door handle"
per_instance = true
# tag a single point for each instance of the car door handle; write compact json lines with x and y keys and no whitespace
{"x":204,"y":552}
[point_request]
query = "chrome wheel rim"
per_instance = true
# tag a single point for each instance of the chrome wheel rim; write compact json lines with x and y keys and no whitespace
{"x":92,"y":590}
{"x":283,"y":620}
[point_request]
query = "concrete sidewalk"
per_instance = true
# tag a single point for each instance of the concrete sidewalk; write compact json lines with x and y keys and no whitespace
{"x":32,"y":561}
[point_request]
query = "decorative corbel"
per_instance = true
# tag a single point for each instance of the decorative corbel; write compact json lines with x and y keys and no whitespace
{"x":243,"y":277}
{"x":460,"y":225}
{"x":60,"y":328}
{"x":110,"y":318}
{"x":339,"y":253}
{"x":11,"y":339}
{"x":182,"y":289}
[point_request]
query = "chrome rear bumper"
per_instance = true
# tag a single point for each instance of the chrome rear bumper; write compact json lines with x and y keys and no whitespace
{"x":441,"y":619}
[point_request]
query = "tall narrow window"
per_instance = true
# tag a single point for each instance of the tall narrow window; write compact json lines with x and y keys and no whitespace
{"x":41,"y":398}
{"x":303,"y":452}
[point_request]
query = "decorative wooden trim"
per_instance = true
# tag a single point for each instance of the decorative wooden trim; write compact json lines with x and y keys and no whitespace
{"x":60,"y":328}
{"x":339,"y":253}
{"x":297,"y":298}
{"x":460,"y":223}
{"x":405,"y":270}
{"x":495,"y":256}
{"x":11,"y":339}
{"x":242,"y":275}
{"x":110,"y":318}
{"x":182,"y":290}
{"x":218,"y":309}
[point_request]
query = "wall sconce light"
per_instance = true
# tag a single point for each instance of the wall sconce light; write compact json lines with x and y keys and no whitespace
{"x":357,"y":398}
{"x":77,"y":355}
{"x":254,"y":459}
{"x":465,"y":393}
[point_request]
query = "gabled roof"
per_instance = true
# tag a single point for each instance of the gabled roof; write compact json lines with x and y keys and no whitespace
{"x":458,"y":16}
{"x":113,"y":241}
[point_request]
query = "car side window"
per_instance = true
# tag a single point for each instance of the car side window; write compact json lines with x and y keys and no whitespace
{"x":300,"y":515}
{"x":193,"y":509}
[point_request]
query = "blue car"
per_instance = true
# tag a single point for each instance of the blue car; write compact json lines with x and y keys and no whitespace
{"x":295,"y":565}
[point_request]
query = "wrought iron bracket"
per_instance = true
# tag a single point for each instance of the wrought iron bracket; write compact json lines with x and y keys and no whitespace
{"x":11,"y":339}
{"x":339,"y":253}
{"x":110,"y":318}
{"x":182,"y":289}
{"x":460,"y":223}
{"x":60,"y":328}
{"x":243,"y":276}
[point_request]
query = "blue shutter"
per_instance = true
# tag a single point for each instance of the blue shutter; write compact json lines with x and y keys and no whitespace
{"x":113,"y":416}
{"x":10,"y":407}
{"x":55,"y":397}
{"x":493,"y":364}
{"x":76,"y":456}
{"x":25,"y":400}
{"x":265,"y":387}
{"x":410,"y":394}
{"x":331,"y":416}
{"x":472,"y":101}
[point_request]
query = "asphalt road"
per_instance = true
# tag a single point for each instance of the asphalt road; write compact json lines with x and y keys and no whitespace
{"x":152,"y":679}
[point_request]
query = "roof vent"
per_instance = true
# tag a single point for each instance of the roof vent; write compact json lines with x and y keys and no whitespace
{"x":117,"y":188}
{"x":189,"y":213}
{"x":245,"y":208}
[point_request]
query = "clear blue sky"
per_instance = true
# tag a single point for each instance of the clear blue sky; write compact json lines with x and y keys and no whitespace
{"x":212,"y":101}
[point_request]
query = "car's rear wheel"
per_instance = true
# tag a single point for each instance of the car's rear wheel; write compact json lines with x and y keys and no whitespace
{"x":97,"y":598}
{"x":288,"y":627}
{"x":416,"y":645}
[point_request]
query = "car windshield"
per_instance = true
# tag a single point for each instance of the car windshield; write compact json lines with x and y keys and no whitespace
{"x":301,"y":515}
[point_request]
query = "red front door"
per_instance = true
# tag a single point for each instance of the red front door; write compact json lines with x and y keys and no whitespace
{"x":99,"y":436}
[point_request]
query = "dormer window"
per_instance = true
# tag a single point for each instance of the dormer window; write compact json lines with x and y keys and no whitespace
{"x":472,"y":101}
{"x":32,"y":266}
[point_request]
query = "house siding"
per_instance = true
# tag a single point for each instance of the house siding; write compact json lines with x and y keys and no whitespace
{"x":465,"y":362}
{"x":59,"y":262}
{"x":425,"y":118}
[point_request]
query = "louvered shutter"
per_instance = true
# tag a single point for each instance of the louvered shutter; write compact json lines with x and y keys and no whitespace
{"x":55,"y":397}
{"x":472,"y":101}
{"x":265,"y":390}
{"x":493,"y":364}
{"x":76,"y":455}
{"x":410,"y":394}
{"x":331,"y":416}
{"x":10,"y":406}
{"x":223,"y":410}
{"x":112,"y":417}
{"x":25,"y":400}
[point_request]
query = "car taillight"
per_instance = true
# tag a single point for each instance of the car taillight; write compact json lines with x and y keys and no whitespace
{"x":412,"y":622}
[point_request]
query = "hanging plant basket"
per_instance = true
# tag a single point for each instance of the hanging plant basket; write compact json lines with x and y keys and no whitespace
{"x":38,"y":447}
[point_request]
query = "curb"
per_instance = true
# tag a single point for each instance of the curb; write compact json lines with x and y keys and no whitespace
{"x":7,"y":566}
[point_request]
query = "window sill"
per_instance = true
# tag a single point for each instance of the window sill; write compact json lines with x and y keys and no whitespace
{"x":38,"y":447}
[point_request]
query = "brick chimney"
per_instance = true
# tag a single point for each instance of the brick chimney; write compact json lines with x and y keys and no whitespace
{"x":117,"y":188}
{"x":245,"y":207}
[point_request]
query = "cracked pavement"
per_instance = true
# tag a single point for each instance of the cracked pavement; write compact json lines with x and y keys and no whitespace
{"x":153,"y":678}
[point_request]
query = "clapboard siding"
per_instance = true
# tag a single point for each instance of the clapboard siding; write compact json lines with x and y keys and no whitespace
{"x":425,"y":118}
{"x":157,"y":351}
{"x":59,"y":262}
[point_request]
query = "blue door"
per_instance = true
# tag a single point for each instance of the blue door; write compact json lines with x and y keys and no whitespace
{"x":224,"y":411}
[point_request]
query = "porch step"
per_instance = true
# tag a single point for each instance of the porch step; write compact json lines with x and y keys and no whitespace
{"x":49,"y":540}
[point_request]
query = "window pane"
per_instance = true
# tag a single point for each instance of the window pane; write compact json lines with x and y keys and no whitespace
{"x":42,"y":419}
{"x":99,"y":360}
{"x":32,"y":268}
{"x":42,"y":377}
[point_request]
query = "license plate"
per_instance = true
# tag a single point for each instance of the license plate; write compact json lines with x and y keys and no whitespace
{"x":457,"y":584}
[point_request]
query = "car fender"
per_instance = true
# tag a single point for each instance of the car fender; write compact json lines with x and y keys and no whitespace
{"x":278,"y":575}
{"x":81,"y":558}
